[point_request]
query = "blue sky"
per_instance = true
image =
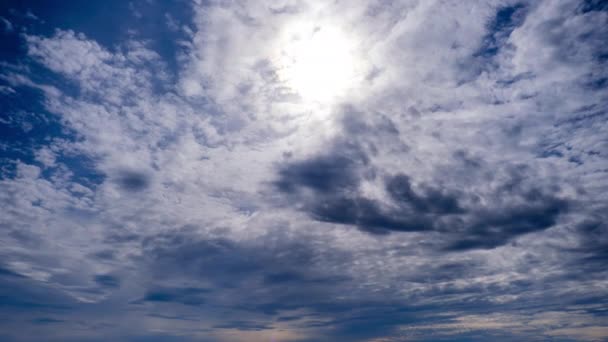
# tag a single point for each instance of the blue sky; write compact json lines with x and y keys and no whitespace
{"x":298,"y":170}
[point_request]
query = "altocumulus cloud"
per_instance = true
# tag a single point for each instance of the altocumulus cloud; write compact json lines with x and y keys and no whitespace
{"x":211,"y":171}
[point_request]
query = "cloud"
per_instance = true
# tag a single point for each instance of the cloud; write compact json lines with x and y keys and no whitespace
{"x":133,"y":181}
{"x":453,"y":190}
{"x":8,"y":26}
{"x":329,"y":188}
{"x":107,"y":280}
{"x":187,"y":296}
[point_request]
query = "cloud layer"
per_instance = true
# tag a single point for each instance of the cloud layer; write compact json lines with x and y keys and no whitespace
{"x":161,"y":180}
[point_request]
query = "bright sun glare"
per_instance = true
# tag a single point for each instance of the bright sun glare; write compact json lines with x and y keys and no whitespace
{"x":318,"y":63}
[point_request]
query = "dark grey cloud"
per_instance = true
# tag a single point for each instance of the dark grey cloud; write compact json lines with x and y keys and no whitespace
{"x":225,"y":264}
{"x":107,"y":280}
{"x":591,"y":252}
{"x":186,"y":296}
{"x":328,"y":188}
{"x":133,"y":180}
{"x":495,"y":227}
{"x":431,"y":200}
{"x":298,"y":287}
{"x":22,"y":294}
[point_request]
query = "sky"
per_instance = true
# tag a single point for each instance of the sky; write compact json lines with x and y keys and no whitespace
{"x":300,"y":170}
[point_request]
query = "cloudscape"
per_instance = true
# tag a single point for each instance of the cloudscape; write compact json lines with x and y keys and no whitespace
{"x":303,"y":170}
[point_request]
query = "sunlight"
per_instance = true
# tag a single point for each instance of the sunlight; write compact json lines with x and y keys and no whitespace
{"x":318,"y":63}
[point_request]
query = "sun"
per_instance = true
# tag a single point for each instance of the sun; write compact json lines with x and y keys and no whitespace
{"x":317,"y":62}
